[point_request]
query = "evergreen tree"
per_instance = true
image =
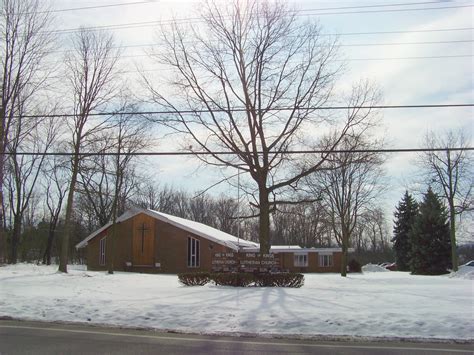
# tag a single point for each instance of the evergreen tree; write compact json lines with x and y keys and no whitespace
{"x":405,"y":214}
{"x":430,"y":239}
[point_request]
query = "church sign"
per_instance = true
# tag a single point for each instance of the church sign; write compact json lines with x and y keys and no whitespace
{"x":247,"y":262}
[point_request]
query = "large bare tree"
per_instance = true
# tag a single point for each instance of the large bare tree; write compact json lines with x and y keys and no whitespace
{"x":450,"y":173}
{"x":92,"y":74}
{"x":25,"y":41}
{"x":251,"y":79}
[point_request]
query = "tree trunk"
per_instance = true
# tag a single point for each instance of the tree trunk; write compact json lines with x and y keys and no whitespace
{"x":63,"y":259}
{"x":15,"y":239}
{"x":452,"y":214}
{"x":264,"y":220}
{"x":49,"y":245}
{"x":452,"y":234}
{"x":3,"y":243}
{"x":111,"y":245}
{"x":345,"y":247}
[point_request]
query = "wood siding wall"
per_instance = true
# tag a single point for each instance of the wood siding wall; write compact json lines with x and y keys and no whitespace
{"x":169,"y":245}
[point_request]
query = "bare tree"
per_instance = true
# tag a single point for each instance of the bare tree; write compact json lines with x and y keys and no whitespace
{"x":375,"y":228}
{"x":91,"y":71}
{"x":225,"y":211}
{"x":96,"y":182}
{"x":148,"y":195}
{"x":129,"y":137}
{"x":304,"y":224}
{"x":24,"y":170}
{"x":56,"y":190}
{"x":251,"y":80}
{"x":450,"y":173}
{"x":347,"y":185}
{"x":25,"y":41}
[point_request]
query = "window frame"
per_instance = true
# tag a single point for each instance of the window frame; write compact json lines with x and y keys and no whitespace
{"x":297,"y":262}
{"x":194,"y":252}
{"x":326,"y":260}
{"x":103,"y":251}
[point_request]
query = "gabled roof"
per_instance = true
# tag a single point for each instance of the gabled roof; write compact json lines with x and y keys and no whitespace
{"x":196,"y":228}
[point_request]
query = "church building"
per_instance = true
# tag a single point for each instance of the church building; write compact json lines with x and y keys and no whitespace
{"x":155,"y":242}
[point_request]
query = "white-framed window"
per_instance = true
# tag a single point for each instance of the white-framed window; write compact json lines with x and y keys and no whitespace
{"x":325,"y":260}
{"x":300,"y":260}
{"x":102,"y":246}
{"x":193,"y":252}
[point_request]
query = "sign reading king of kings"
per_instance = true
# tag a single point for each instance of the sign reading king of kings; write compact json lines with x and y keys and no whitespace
{"x":245,"y":262}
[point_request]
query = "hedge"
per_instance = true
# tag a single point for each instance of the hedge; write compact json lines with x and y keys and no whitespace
{"x":194,"y":278}
{"x":279,"y":280}
{"x":238,"y":279}
{"x":241,"y":279}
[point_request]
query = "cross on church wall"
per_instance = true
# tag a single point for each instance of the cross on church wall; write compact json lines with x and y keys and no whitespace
{"x":143,"y":229}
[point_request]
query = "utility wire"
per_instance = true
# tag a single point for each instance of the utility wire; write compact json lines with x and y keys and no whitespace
{"x":191,"y":20}
{"x":390,"y":10}
{"x":412,"y":58}
{"x":321,"y":45}
{"x":290,"y":152}
{"x":335,"y":60}
{"x":398,"y":32}
{"x":369,"y":6}
{"x":314,"y":9}
{"x":99,"y":6}
{"x":339,"y":60}
{"x":111,"y":113}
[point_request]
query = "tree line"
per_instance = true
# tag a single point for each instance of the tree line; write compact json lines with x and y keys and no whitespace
{"x":250,"y":80}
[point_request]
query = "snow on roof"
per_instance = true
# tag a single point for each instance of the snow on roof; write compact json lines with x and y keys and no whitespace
{"x":295,"y":249}
{"x":203,"y":230}
{"x":197,"y":228}
{"x":275,"y":247}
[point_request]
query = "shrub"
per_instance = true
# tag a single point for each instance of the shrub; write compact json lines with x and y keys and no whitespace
{"x":279,"y":280}
{"x":354,"y":266}
{"x":194,"y":278}
{"x":259,"y":280}
{"x":242,"y":279}
{"x":239,"y":279}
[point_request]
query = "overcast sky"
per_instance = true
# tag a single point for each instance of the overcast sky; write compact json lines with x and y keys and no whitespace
{"x":424,"y":57}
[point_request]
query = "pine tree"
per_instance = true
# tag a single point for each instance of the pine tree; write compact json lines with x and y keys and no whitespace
{"x":405,"y":214}
{"x":429,"y":236}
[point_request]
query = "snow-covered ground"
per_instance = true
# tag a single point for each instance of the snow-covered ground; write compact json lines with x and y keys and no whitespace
{"x":374,"y":304}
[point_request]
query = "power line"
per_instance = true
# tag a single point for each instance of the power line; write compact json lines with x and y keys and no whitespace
{"x":290,"y":152}
{"x":391,"y":10}
{"x":370,"y":6}
{"x":305,"y":10}
{"x":405,"y":43}
{"x":322,"y":45}
{"x":413,"y":58}
{"x":184,"y":112}
{"x":100,"y":6}
{"x":348,"y":59}
{"x":398,"y":32}
{"x":190,"y":20}
{"x":449,"y":56}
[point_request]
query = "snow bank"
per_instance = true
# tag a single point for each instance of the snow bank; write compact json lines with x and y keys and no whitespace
{"x":373,"y":268}
{"x":464,"y":272}
{"x":376,"y":304}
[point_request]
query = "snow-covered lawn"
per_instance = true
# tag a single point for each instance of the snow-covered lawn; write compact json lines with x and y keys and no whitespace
{"x":382,"y":304}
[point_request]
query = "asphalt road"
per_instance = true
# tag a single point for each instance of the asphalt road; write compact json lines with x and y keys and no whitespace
{"x":19,"y":337}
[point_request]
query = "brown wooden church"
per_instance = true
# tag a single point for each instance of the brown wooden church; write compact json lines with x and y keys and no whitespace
{"x":151,"y":241}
